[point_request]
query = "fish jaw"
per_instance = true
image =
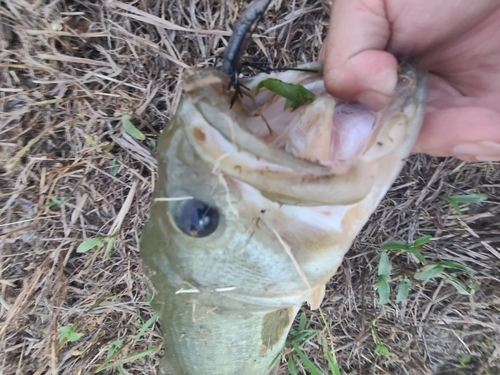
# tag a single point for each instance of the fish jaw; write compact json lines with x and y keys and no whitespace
{"x":286,"y":221}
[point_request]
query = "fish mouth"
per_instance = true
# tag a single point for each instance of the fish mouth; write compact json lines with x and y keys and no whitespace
{"x":314,"y":155}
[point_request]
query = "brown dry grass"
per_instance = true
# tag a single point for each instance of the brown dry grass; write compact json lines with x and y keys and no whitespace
{"x":68,"y":71}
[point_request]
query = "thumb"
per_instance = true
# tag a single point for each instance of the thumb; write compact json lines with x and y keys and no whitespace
{"x":356,"y":65}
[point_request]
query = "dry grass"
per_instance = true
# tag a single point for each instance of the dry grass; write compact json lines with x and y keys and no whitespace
{"x":68,"y":71}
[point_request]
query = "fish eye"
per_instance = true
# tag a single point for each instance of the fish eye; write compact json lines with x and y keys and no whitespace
{"x":196,"y":218}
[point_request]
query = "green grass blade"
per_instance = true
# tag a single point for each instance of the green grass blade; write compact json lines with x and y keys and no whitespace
{"x":469,"y":198}
{"x":292,"y":367}
{"x":330,"y":357}
{"x":144,"y":327}
{"x":302,"y":322}
{"x":461,"y":286}
{"x":130,"y":358}
{"x":311,"y":367}
{"x":395,"y":246}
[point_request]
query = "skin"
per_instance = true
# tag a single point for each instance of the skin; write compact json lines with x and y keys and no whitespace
{"x":455,"y":40}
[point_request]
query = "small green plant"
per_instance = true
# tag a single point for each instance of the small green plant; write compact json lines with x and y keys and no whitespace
{"x":296,"y":338}
{"x":97,"y":242}
{"x":68,"y":333}
{"x":115,"y":167}
{"x":115,"y":345}
{"x":380,"y":348}
{"x":53,"y":202}
{"x":130,"y":129}
{"x":384,"y":272}
{"x":445,"y":269}
{"x":90,"y":141}
{"x":464,"y":360}
{"x":438,"y":269}
{"x":144,"y":328}
{"x":455,"y":200}
{"x":90,"y":243}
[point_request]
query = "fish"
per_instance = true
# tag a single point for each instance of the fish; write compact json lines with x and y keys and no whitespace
{"x":255,"y":206}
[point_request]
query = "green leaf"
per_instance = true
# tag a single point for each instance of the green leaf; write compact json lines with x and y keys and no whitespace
{"x":273,"y":362}
{"x":109,"y":247}
{"x":90,"y":140}
{"x":300,"y":336}
{"x":330,"y":357}
{"x":302,"y":322}
{"x":115,"y":167}
{"x":458,"y":266}
{"x":131,"y":129}
{"x":311,"y":367}
{"x":469,"y":198}
{"x":53,"y":202}
{"x":295,"y":95}
{"x":90,"y":243}
{"x":406,"y":247}
{"x":383,"y":289}
{"x":292,"y":367}
{"x":417,"y":255}
{"x":115,"y":345}
{"x":144,"y":327}
{"x":464,"y":360}
{"x":381,"y":349}
{"x":422,"y":240}
{"x":461,"y":286}
{"x":395,"y":246}
{"x":403,"y":290}
{"x":152,"y":145}
{"x":454,"y":200}
{"x":130,"y":358}
{"x":384,"y":265}
{"x":68,"y":333}
{"x":429,"y":271}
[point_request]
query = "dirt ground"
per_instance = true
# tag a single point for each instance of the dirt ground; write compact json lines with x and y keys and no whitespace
{"x":69,"y":70}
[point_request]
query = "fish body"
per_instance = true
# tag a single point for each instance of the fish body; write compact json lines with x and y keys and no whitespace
{"x":255,"y":207}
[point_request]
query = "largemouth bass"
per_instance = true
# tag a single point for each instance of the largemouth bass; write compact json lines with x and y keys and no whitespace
{"x":255,"y":204}
{"x":255,"y":207}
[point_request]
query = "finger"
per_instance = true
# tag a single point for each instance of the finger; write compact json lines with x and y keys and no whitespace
{"x":468,"y":133}
{"x":356,"y":67}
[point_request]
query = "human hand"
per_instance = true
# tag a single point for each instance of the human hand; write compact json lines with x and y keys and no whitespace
{"x":457,"y":41}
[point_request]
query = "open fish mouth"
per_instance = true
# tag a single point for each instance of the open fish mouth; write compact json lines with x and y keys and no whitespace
{"x":255,"y":206}
{"x":320,"y":150}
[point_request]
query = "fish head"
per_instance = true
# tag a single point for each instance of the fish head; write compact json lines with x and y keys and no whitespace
{"x":256,"y":204}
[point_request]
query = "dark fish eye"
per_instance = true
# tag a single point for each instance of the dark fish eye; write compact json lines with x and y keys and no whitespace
{"x":196,"y":219}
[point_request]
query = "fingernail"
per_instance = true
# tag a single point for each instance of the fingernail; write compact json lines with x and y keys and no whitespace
{"x":374,"y":99}
{"x":481,"y":151}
